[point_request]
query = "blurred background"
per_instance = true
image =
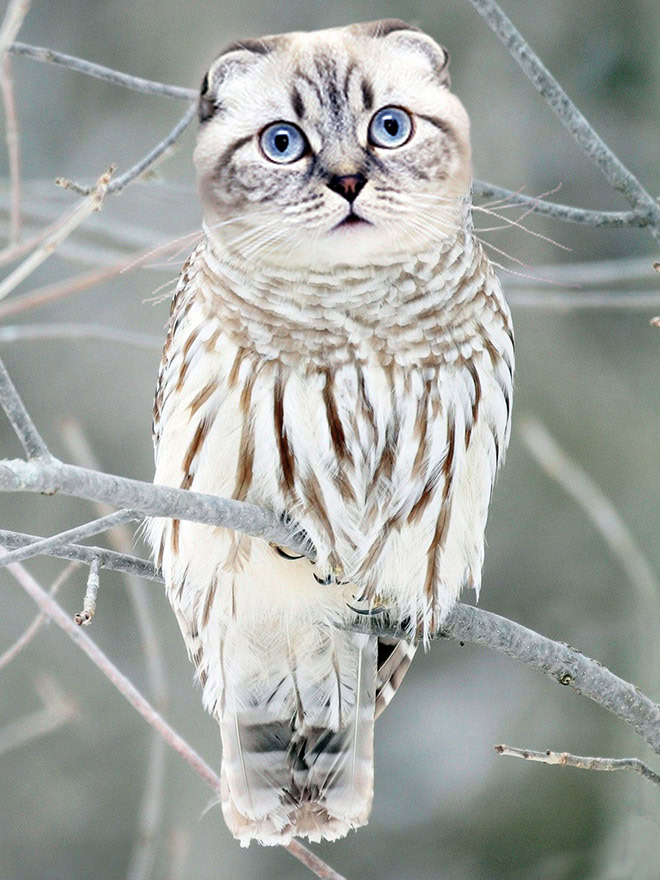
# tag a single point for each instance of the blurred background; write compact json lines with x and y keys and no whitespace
{"x":446,"y":806}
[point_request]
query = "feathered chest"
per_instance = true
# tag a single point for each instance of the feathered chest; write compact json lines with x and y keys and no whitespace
{"x":366,"y":437}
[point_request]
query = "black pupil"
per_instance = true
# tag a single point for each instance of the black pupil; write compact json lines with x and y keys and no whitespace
{"x":281,"y":141}
{"x":391,"y":126}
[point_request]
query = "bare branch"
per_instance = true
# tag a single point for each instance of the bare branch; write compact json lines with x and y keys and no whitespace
{"x":62,"y":538}
{"x":73,"y":219}
{"x":85,"y":280}
{"x":565,"y":301}
{"x":146,"y":161}
{"x":55,"y":711}
{"x":144,"y":849}
{"x":136,"y":83}
{"x":24,"y":640}
{"x":150,"y":500}
{"x":11,"y":24}
{"x":590,"y":272}
{"x":101,"y":332}
{"x":109,"y":559}
{"x":560,"y":662}
{"x":565,"y":759}
{"x":619,"y":177}
{"x":601,"y":511}
{"x":13,"y":148}
{"x":568,"y":213}
{"x":50,"y":607}
{"x":31,"y":440}
{"x":84,"y":617}
{"x":646,"y":212}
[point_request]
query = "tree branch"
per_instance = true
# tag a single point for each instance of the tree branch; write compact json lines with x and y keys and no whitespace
{"x":59,"y":540}
{"x":26,"y":637}
{"x":26,"y":431}
{"x":101,"y":332}
{"x":557,"y":660}
{"x":53,"y":477}
{"x":468,"y":624}
{"x":126,"y":688}
{"x":145,"y":162}
{"x":98,"y":71}
{"x":64,"y":228}
{"x":568,"y":213}
{"x":565,"y":759}
{"x":646,"y":212}
{"x":78,"y":553}
{"x":618,"y":176}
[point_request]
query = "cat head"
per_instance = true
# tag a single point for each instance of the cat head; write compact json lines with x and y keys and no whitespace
{"x":343,"y":146}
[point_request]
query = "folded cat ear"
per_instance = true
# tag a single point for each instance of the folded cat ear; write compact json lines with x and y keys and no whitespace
{"x":412,"y":37}
{"x":232,"y":61}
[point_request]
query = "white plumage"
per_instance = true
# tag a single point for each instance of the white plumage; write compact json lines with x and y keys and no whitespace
{"x":365,"y":394}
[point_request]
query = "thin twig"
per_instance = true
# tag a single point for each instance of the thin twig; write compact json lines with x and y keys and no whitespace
{"x":596,"y":505}
{"x":16,"y":251}
{"x":50,"y":607}
{"x":592,"y":273}
{"x":100,"y":332}
{"x":11,"y":24}
{"x":565,"y":759}
{"x":24,"y":640}
{"x":178,"y":846}
{"x":557,"y":660}
{"x":109,"y":559}
{"x":73,"y":219}
{"x":143,"y":855}
{"x":560,"y":662}
{"x":94,"y":527}
{"x":646,"y":213}
{"x":618,"y":176}
{"x":26,"y":431}
{"x":563,"y":301}
{"x":574,"y":480}
{"x":567,"y":213}
{"x":146,"y":161}
{"x":85,"y":280}
{"x":84,"y":617}
{"x":136,"y":83}
{"x":55,"y":711}
{"x":13,"y":149}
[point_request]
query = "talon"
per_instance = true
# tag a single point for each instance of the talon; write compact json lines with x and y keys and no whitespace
{"x":282,"y":553}
{"x":326,"y":581}
{"x":370,"y":612}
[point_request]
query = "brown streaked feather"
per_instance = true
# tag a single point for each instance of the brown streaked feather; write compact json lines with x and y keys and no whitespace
{"x":442,"y":524}
{"x":394,"y":659}
{"x":287,"y":461}
{"x":337,"y":434}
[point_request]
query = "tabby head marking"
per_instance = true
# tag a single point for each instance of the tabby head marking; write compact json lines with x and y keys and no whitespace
{"x":336,"y":147}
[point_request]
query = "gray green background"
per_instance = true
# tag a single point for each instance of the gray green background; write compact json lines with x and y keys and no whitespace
{"x":445,"y":806}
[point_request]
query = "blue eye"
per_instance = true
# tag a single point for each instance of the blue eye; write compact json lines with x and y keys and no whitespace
{"x":282,"y":142}
{"x":391,"y":127}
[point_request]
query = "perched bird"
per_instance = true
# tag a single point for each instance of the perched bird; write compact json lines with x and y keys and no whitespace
{"x":340,"y":352}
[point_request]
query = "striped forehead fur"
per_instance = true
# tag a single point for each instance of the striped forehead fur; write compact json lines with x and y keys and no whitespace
{"x":330,"y":84}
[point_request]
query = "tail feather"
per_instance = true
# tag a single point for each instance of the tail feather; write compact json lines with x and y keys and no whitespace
{"x":298,"y":738}
{"x":394,"y":659}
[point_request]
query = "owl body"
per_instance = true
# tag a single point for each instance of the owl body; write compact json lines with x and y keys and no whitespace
{"x":352,"y":378}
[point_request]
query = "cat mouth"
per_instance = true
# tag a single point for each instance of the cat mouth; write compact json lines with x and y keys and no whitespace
{"x":352,"y":219}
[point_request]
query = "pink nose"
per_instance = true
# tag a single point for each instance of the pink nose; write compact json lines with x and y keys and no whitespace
{"x":348,"y":185}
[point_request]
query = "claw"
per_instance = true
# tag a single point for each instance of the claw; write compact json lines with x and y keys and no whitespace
{"x":370,"y":612}
{"x":284,"y":555}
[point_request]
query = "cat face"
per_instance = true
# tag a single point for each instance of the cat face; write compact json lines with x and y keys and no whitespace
{"x":337,"y":147}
